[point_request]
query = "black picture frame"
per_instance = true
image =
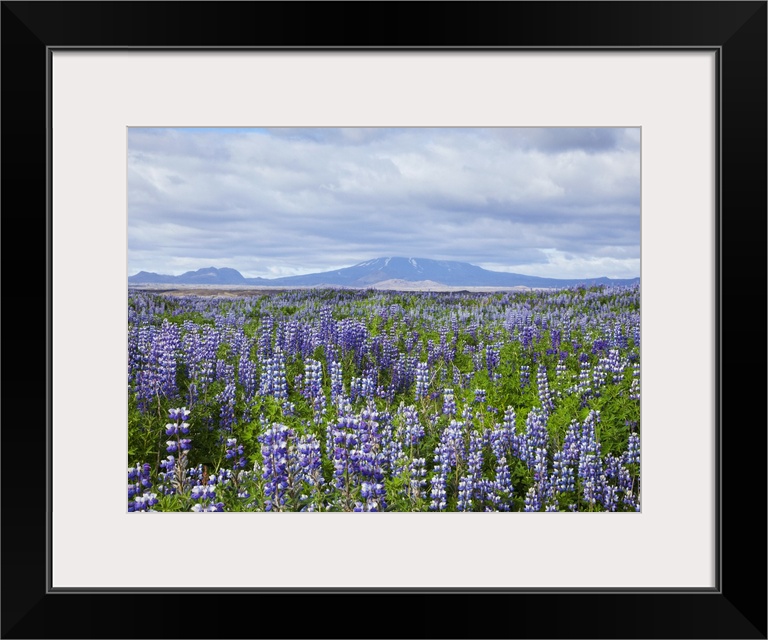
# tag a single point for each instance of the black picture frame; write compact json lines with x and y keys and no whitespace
{"x":736,"y":608}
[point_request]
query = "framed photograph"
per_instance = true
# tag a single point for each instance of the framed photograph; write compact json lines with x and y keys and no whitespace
{"x":127,"y":127}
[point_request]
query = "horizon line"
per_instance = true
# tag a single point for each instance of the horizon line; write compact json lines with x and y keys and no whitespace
{"x":388,"y":258}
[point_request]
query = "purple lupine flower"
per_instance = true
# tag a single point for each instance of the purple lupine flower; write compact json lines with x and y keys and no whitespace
{"x":337,"y":385}
{"x":584,"y":386}
{"x":447,"y":456}
{"x":355,"y":388}
{"x":545,"y":396}
{"x":632,"y":501}
{"x":527,"y":336}
{"x":345,"y":439}
{"x":166,"y":478}
{"x":138,"y":482}
{"x":210,"y":508}
{"x":536,"y":437}
{"x":225,"y":371}
{"x":590,"y":464}
{"x":246,"y":374}
{"x":372,"y":492}
{"x":525,"y":375}
{"x":177,"y":477}
{"x":273,"y":380}
{"x":624,"y":480}
{"x":144,"y":479}
{"x":168,"y":344}
{"x":234,"y":453}
{"x":417,"y":472}
{"x":475,"y":464}
{"x":540,"y":474}
{"x":614,"y":365}
{"x":609,"y":497}
{"x":403,"y":372}
{"x":532,"y":499}
{"x":274,"y":450}
{"x":227,"y":411}
{"x":180,"y":415}
{"x":599,"y":376}
{"x":562,"y":479}
{"x":452,"y":438}
{"x":502,"y":491}
{"x":634,"y":388}
{"x":312,"y":388}
{"x":588,"y":442}
{"x":313,"y":378}
{"x":464,"y":502}
{"x":390,"y":448}
{"x":422,"y":380}
{"x":368,"y":386}
{"x":148,"y":380}
{"x":633,"y":449}
{"x":309,"y":458}
{"x":433,"y":353}
{"x":386,"y":392}
{"x":264,"y":344}
{"x":289,"y":408}
{"x":589,"y":472}
{"x":625,"y":484}
{"x":194,"y":356}
{"x":611,"y":466}
{"x":144,"y":502}
{"x":203,"y":492}
{"x":571,"y":442}
{"x":412,"y":430}
{"x":449,"y":403}
{"x":502,"y":438}
{"x":369,"y":459}
{"x":437,"y":489}
{"x":492,"y":360}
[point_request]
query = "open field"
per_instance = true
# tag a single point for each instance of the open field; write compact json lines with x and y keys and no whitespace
{"x":234,"y":290}
{"x":207,"y":291}
{"x":260,"y":399}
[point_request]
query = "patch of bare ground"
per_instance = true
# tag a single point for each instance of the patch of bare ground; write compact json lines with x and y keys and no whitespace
{"x":209,"y":291}
{"x":237,"y":291}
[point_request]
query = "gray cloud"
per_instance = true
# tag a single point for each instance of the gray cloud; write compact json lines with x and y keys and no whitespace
{"x":556,"y":202}
{"x":557,"y":140}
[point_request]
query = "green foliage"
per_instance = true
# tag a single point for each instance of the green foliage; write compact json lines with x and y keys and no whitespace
{"x":194,"y":317}
{"x":398,"y":493}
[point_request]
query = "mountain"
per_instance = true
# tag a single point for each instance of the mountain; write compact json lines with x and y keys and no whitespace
{"x":147,"y":277}
{"x":210,"y":275}
{"x":371,"y":272}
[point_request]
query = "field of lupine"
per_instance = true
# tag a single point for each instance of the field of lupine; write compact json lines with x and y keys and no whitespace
{"x":343,"y":400}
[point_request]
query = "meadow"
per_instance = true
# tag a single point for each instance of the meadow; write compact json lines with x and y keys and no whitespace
{"x":364,"y":400}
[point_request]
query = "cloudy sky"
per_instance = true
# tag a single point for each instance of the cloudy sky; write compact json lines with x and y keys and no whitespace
{"x":554,"y":202}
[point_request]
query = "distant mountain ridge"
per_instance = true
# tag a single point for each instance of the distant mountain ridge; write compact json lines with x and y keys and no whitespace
{"x":371,"y":272}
